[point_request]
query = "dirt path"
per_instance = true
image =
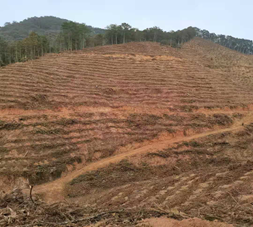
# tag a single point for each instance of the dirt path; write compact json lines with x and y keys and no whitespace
{"x":53,"y":191}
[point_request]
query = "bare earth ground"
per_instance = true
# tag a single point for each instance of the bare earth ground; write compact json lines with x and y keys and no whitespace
{"x":128,"y":135}
{"x":53,"y":191}
{"x":165,"y":222}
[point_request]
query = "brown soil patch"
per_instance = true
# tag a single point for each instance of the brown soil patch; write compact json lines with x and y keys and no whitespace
{"x":53,"y":190}
{"x":195,"y":222}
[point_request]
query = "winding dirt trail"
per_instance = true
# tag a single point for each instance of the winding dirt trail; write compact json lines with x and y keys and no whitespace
{"x":54,"y":191}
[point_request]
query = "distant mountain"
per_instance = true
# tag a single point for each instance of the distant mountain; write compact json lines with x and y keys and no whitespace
{"x":48,"y":25}
{"x":242,"y":45}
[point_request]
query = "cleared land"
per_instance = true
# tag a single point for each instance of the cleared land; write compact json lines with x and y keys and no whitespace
{"x":131,"y":131}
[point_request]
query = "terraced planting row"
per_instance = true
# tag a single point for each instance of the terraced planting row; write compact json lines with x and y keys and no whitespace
{"x":42,"y":146}
{"x":66,"y":114}
{"x":207,"y":178}
{"x":101,"y":79}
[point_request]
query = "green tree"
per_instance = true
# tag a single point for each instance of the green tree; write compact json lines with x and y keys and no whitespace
{"x":125,"y":31}
{"x":112,"y":34}
{"x":3,"y":52}
{"x":74,"y":35}
{"x":154,"y":34}
{"x":99,"y":40}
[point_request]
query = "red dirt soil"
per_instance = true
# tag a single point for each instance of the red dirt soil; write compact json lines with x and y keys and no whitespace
{"x":65,"y":119}
{"x":195,"y":222}
{"x":53,"y":191}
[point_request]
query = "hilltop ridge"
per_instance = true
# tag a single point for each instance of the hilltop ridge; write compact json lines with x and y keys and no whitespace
{"x":48,"y":25}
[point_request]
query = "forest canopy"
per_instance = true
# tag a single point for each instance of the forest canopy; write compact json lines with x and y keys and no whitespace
{"x":75,"y":36}
{"x":36,"y":36}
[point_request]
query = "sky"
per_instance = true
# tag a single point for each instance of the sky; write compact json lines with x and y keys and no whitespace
{"x":228,"y":17}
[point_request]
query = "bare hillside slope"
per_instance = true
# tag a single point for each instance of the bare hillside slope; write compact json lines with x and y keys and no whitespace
{"x":155,"y":130}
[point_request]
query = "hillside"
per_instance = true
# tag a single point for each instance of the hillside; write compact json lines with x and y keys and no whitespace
{"x":122,"y":133}
{"x":235,"y":66}
{"x":241,"y":45}
{"x":48,"y":25}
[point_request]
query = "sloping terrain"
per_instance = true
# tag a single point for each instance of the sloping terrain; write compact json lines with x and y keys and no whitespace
{"x":236,"y":67}
{"x":140,"y":126}
{"x":146,"y":74}
{"x":209,"y":178}
{"x":49,"y":26}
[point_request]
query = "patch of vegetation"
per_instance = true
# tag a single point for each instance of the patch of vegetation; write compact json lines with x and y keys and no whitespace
{"x":161,"y":154}
{"x":114,"y":175}
{"x":9,"y":125}
{"x":39,"y":98}
{"x":171,"y":130}
{"x":188,"y":100}
{"x":49,"y":131}
{"x":47,"y":146}
{"x":196,"y":125}
{"x":24,"y":118}
{"x":192,"y":143}
{"x":201,"y":120}
{"x":143,"y":119}
{"x":119,"y":174}
{"x":237,"y":115}
{"x":58,"y":153}
{"x":220,"y":119}
{"x":243,"y":133}
{"x":249,"y":128}
{"x":65,"y":122}
{"x":3,"y":150}
{"x":173,"y":117}
{"x":45,"y":173}
{"x":195,"y":152}
{"x":223,"y":143}
{"x":183,"y":144}
{"x":188,"y":108}
{"x":83,"y":115}
{"x":209,"y":107}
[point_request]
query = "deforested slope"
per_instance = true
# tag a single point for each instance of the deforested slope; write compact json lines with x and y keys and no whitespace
{"x":87,"y":104}
{"x":179,"y":112}
{"x":146,"y":74}
{"x":237,"y":67}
